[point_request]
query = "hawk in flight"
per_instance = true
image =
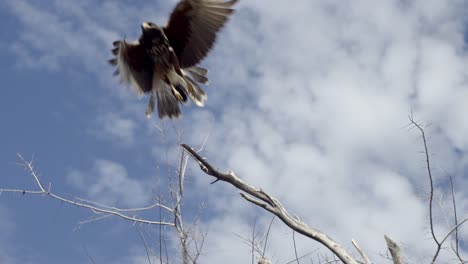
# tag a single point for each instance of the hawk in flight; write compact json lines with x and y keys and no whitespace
{"x":163,"y":61}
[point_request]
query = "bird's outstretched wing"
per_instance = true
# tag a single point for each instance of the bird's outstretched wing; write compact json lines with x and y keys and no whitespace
{"x":192,"y":28}
{"x":136,"y":68}
{"x":133,"y":66}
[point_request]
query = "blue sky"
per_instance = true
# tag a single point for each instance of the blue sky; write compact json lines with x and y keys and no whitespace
{"x":307,"y":100}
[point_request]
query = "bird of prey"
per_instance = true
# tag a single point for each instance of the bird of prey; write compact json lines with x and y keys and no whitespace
{"x":163,"y":61}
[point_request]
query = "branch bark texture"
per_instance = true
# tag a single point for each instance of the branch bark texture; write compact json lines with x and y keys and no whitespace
{"x":271,"y":204}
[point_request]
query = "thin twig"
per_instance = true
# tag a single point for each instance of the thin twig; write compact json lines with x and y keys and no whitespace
{"x":144,"y":244}
{"x":365,"y":258}
{"x":161,"y":235}
{"x":127,"y":209}
{"x":431,"y":182}
{"x":253,"y":241}
{"x":94,"y":208}
{"x":166,"y":251}
{"x":177,"y":209}
{"x":87,"y":254}
{"x":94,"y":218}
{"x":199,"y":248}
{"x":267,"y":235}
{"x":455,"y":218}
{"x":255,"y":247}
{"x":295,"y":248}
{"x":301,"y":257}
{"x":453,"y":230}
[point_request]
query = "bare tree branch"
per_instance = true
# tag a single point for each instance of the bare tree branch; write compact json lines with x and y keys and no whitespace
{"x":256,"y":246}
{"x":451,"y":232}
{"x":272,"y":205}
{"x":365,"y":258}
{"x":159,"y":204}
{"x":267,"y":235}
{"x":161,"y":235}
{"x":144,"y":244}
{"x":431,"y":182}
{"x":92,"y":206}
{"x":455,"y":218}
{"x":199,"y":248}
{"x":186,"y":236}
{"x":253,"y":241}
{"x":431,"y":198}
{"x":394,"y":250}
{"x":87,"y":254}
{"x":295,"y":247}
{"x":178,"y":222}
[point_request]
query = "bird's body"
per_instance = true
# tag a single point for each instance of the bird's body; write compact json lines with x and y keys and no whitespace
{"x":163,"y":61}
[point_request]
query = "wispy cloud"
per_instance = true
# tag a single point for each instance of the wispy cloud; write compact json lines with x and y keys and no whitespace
{"x":116,"y":128}
{"x":108,"y":183}
{"x":51,"y":39}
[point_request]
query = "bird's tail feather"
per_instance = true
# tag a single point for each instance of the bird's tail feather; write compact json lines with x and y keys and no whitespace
{"x":184,"y":85}
{"x":195,"y":93}
{"x":192,"y":76}
{"x":198,"y":74}
{"x":199,"y":70}
{"x":168,"y":104}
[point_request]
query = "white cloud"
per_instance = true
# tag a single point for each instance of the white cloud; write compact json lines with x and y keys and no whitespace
{"x":309,"y":101}
{"x":323,"y":124}
{"x":118,"y":128}
{"x":108,"y":183}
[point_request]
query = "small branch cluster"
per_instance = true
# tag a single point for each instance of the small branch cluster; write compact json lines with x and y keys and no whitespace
{"x":454,"y":231}
{"x":272,"y":205}
{"x":191,"y":239}
{"x":191,"y":245}
{"x":101,"y":211}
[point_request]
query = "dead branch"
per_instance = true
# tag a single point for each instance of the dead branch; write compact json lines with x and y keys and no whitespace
{"x":295,"y":247}
{"x":96,"y":208}
{"x":266,"y":236}
{"x":438,"y":242}
{"x":186,"y":236}
{"x":456,"y":250}
{"x":253,"y":241}
{"x":145,"y":245}
{"x":365,"y":258}
{"x":271,"y":204}
{"x":394,"y":250}
{"x":431,"y":182}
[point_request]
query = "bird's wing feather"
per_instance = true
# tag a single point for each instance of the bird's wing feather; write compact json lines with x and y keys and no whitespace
{"x":133,"y":66}
{"x":192,"y":28}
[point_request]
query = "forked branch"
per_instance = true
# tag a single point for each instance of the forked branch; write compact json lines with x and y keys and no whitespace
{"x":454,"y":230}
{"x":271,"y":204}
{"x":98,"y":209}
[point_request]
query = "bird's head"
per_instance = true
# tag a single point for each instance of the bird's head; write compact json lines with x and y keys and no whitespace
{"x":152,"y":33}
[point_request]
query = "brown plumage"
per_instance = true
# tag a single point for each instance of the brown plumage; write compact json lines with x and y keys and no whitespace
{"x":163,"y":61}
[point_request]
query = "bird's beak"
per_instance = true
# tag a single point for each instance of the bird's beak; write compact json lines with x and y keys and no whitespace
{"x":145,"y":26}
